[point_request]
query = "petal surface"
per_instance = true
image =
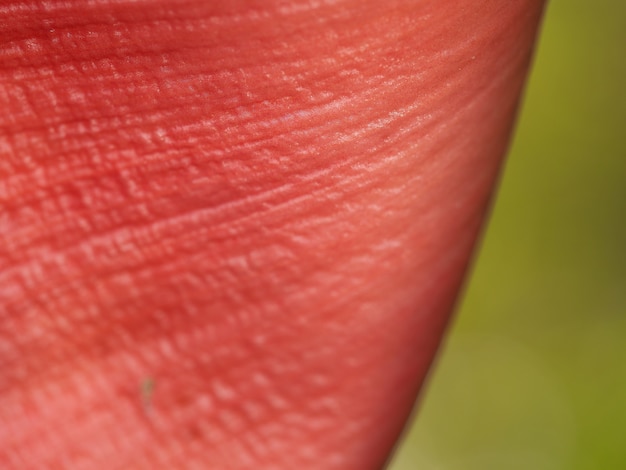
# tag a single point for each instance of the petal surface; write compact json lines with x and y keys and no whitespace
{"x":231,"y":233}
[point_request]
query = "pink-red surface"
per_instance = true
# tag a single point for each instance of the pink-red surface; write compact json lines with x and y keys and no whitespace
{"x":231,"y":233}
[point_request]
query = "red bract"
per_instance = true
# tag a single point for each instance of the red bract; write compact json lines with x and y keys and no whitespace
{"x":231,"y":233}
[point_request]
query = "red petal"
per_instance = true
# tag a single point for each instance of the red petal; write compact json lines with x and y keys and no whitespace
{"x":231,"y":233}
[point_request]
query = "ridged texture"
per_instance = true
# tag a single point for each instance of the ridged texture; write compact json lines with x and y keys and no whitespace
{"x":231,"y":232}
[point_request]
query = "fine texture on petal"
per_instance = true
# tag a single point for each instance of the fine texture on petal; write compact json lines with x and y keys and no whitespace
{"x":231,"y":233}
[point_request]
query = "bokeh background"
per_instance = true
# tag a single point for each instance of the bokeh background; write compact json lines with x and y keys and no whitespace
{"x":533,"y":372}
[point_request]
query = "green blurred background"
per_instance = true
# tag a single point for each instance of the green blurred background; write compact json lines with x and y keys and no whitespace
{"x":533,"y":373}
